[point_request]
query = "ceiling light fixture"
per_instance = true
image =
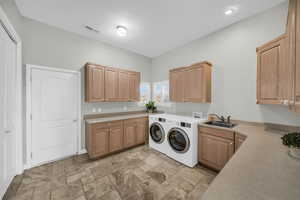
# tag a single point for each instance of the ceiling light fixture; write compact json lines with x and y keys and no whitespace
{"x":228,"y":12}
{"x":122,"y":31}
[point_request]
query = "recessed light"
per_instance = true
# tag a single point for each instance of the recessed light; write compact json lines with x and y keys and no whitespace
{"x":121,"y":30}
{"x":228,"y":12}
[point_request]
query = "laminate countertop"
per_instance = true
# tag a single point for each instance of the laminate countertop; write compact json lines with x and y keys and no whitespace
{"x":261,"y":169}
{"x":115,"y":118}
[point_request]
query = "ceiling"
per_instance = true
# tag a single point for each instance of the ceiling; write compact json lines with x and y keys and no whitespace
{"x":154,"y":26}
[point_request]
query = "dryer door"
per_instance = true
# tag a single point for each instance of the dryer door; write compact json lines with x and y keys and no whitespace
{"x":178,"y":140}
{"x":157,"y":133}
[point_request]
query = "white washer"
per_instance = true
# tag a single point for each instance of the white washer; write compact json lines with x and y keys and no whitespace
{"x":182,"y":139}
{"x":158,"y":129}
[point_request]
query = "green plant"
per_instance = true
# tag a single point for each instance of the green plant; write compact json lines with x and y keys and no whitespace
{"x":150,"y":106}
{"x":291,"y":140}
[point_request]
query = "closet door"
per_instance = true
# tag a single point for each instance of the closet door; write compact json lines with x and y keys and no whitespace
{"x":7,"y":110}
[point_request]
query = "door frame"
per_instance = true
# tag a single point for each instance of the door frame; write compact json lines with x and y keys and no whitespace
{"x":29,"y":68}
{"x":7,"y":25}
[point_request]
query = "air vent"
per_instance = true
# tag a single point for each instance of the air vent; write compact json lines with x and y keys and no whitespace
{"x":92,"y":29}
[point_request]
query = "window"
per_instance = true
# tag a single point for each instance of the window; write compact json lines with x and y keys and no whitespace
{"x":160,"y":93}
{"x":145,"y":92}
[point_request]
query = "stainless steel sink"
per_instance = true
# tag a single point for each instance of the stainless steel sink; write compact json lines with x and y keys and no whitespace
{"x":221,"y":124}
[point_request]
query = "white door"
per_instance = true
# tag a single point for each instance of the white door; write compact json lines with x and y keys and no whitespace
{"x":55,"y":113}
{"x":8,"y":104}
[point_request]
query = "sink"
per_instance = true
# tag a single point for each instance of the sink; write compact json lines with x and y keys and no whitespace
{"x":221,"y":124}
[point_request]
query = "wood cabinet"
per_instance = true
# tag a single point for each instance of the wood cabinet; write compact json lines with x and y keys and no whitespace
{"x":134,"y":86}
{"x":293,"y":33}
{"x":239,"y":139}
{"x":176,"y":86}
{"x":130,"y":133}
{"x":111,"y":84}
{"x":98,"y":140}
{"x":273,"y":76}
{"x":124,"y":86}
{"x":94,"y":83}
{"x":278,"y":77}
{"x":191,"y":84}
{"x":215,"y":147}
{"x":108,"y":137}
{"x":142,"y":130}
{"x":116,"y":137}
{"x":135,"y":131}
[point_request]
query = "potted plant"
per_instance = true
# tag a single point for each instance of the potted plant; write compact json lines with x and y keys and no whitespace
{"x":150,"y":106}
{"x":292,"y":140}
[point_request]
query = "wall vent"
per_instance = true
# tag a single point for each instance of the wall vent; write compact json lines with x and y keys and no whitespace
{"x":90,"y":28}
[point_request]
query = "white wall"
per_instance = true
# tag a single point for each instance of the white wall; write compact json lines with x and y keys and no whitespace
{"x":233,"y":54}
{"x":49,"y":46}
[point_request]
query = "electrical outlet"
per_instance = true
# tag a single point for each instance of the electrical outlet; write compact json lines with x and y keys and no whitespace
{"x":125,"y":108}
{"x":99,"y":110}
{"x":94,"y":110}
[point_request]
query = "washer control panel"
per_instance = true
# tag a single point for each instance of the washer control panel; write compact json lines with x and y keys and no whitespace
{"x":186,"y":125}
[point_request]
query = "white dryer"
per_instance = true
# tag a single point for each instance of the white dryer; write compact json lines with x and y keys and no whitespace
{"x":182,"y":139}
{"x":158,"y":129}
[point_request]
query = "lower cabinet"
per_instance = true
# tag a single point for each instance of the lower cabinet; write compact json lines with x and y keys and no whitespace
{"x":130,"y":133}
{"x":215,"y":147}
{"x":108,"y":137}
{"x":116,"y":137}
{"x":100,"y":143}
{"x":239,"y":139}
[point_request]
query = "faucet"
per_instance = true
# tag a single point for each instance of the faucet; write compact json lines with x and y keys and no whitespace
{"x":222,"y":118}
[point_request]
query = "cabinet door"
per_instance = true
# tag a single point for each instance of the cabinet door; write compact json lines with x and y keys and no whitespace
{"x":116,"y":137}
{"x":123,"y":88}
{"x":94,"y":83}
{"x":297,"y":66}
{"x":142,"y":130}
{"x":134,"y":86}
{"x":176,"y":86}
{"x":111,"y":84}
{"x":130,"y":131}
{"x":193,"y":84}
{"x":273,"y":74}
{"x":100,"y":142}
{"x":239,"y":139}
{"x":214,"y":152}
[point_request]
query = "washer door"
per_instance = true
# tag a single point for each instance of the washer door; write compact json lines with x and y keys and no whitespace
{"x":178,"y":140}
{"x":157,"y":133}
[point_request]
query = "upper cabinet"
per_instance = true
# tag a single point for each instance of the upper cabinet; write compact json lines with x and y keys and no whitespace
{"x":94,"y":83}
{"x":272,"y":77}
{"x":134,"y":86}
{"x":111,"y":84}
{"x":191,"y":84}
{"x":293,"y":32}
{"x":278,"y":69}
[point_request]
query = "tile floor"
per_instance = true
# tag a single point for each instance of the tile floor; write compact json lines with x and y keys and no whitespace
{"x":136,"y":174}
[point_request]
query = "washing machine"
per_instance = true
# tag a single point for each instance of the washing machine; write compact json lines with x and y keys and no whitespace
{"x":158,"y":129}
{"x":182,"y":139}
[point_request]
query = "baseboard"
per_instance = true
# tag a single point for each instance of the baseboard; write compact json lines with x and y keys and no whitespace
{"x":82,"y":151}
{"x":26,"y":166}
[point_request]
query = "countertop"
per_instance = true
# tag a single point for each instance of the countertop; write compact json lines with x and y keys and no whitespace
{"x":261,"y":169}
{"x":115,"y":118}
